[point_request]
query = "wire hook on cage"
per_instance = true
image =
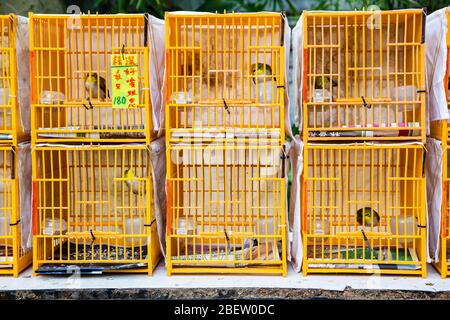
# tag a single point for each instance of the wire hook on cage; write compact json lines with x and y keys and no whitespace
{"x":151,"y":223}
{"x":365,"y":103}
{"x":92,"y":236}
{"x":366,"y":240}
{"x":123,"y":51}
{"x":15,"y":223}
{"x":228,"y":240}
{"x":284,"y":155}
{"x":226,"y":106}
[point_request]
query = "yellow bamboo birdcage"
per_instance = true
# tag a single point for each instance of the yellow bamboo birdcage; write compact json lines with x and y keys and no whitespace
{"x":93,"y":208}
{"x":225,"y":74}
{"x":226,"y":208}
{"x":15,"y":254}
{"x":67,"y":53}
{"x":364,"y":209}
{"x":11,"y":130}
{"x":364,"y":75}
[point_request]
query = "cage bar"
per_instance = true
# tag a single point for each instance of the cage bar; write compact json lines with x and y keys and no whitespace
{"x":364,"y":75}
{"x":11,"y":124}
{"x":364,"y":209}
{"x":226,"y":208}
{"x":225,"y":73}
{"x":67,"y":51}
{"x":93,"y":208}
{"x":15,"y":253}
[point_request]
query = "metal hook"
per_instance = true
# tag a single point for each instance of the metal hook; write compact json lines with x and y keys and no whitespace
{"x":15,"y":223}
{"x":365,"y":103}
{"x":366,"y":240}
{"x":123,"y":51}
{"x":93,"y":237}
{"x":226,"y":106}
{"x":151,"y":223}
{"x":228,"y":240}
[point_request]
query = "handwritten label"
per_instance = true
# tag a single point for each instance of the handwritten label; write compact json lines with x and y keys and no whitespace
{"x":124,"y":80}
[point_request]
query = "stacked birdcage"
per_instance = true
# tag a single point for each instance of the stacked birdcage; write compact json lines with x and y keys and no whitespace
{"x":225,"y":78}
{"x":92,"y":137}
{"x":15,"y":162}
{"x":438,"y":173}
{"x":363,"y":107}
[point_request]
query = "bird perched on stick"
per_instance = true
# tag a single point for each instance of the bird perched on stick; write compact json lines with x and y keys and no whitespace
{"x":368,"y":217}
{"x":92,"y":86}
{"x":261,"y":69}
{"x":133,"y":184}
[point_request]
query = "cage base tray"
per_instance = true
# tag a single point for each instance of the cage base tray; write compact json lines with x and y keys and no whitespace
{"x":72,"y":252}
{"x":359,"y":254}
{"x":61,"y":269}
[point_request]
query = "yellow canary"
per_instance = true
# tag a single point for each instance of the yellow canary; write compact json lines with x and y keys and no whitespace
{"x":92,"y":86}
{"x":261,"y":69}
{"x":133,"y":184}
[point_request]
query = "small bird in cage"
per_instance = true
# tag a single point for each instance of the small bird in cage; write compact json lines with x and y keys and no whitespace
{"x":368,"y":217}
{"x":266,"y":85}
{"x":324,"y":83}
{"x":132,"y":182}
{"x":261,"y":69}
{"x":92,"y":85}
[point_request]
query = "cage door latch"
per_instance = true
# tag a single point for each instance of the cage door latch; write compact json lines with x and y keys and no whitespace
{"x":226,"y":106}
{"x":150,"y":224}
{"x":365,"y":103}
{"x":15,"y":223}
{"x":366,"y":240}
{"x":92,"y":236}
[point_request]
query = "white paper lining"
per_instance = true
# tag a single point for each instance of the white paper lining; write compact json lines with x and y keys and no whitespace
{"x":295,"y":247}
{"x":23,"y":72}
{"x":436,"y":64}
{"x":25,"y":190}
{"x":433,"y":172}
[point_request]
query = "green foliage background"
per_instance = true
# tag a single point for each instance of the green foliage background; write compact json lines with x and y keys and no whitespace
{"x":292,"y":7}
{"x":157,"y":8}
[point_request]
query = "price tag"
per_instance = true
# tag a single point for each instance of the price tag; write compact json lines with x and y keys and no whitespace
{"x":124,"y":80}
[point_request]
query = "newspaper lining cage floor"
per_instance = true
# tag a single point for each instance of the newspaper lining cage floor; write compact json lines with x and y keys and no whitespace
{"x":225,"y":74}
{"x":14,"y":78}
{"x":364,"y":209}
{"x":226,"y":209}
{"x":93,"y":209}
{"x":71,"y":77}
{"x":364,"y":75}
{"x":15,"y":208}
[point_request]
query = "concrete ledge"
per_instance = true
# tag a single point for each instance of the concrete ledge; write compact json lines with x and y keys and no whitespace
{"x":218,"y":293}
{"x":159,"y":286}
